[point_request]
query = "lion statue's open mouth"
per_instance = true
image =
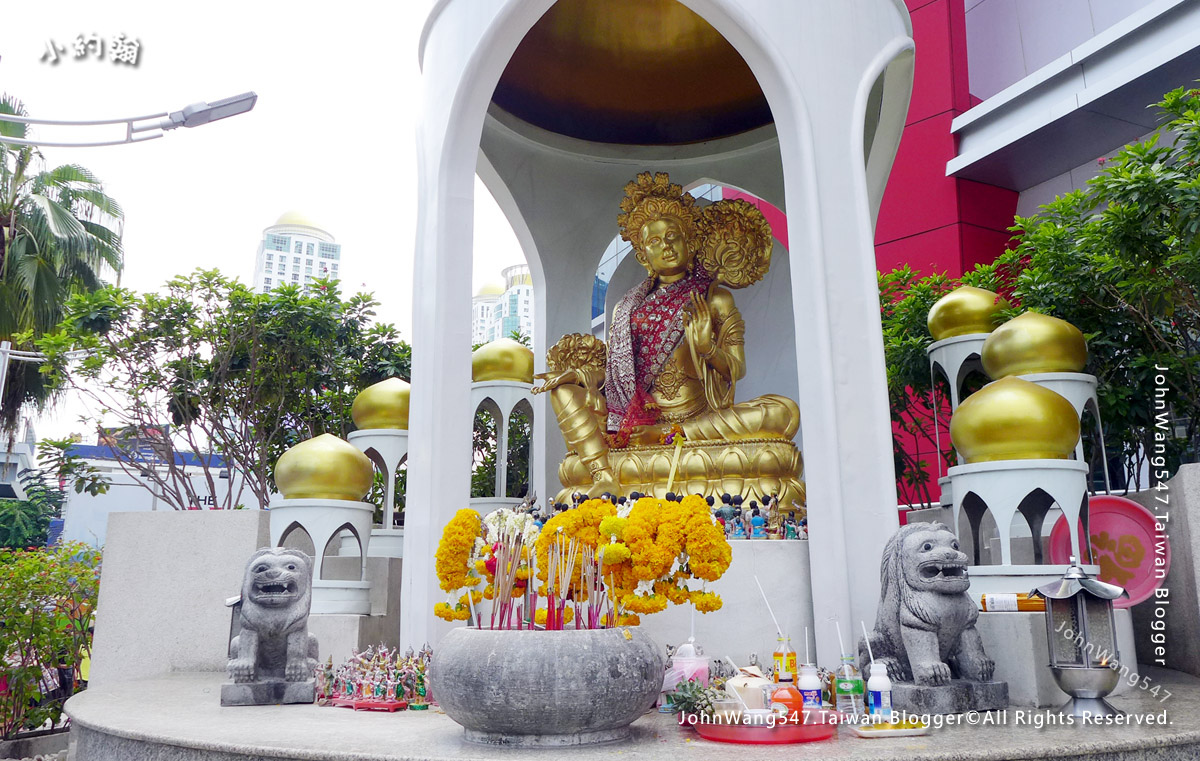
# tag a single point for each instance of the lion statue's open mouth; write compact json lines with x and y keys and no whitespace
{"x":934,"y":570}
{"x":274,"y":592}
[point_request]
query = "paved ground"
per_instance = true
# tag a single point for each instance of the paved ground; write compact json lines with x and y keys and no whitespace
{"x":180,"y":717}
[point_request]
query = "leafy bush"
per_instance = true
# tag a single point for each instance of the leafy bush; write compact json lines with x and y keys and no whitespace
{"x":47,"y":598}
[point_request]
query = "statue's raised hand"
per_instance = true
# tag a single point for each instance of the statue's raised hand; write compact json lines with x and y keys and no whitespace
{"x":700,"y":326}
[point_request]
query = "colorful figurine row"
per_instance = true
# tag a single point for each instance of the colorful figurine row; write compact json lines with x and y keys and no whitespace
{"x":750,"y":522}
{"x":377,"y":679}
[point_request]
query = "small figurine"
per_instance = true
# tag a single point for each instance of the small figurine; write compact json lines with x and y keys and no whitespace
{"x":757,"y":523}
{"x":739,"y":526}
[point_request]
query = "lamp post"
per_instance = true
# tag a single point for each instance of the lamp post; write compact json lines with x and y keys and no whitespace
{"x":137,"y":127}
{"x":1082,"y":635}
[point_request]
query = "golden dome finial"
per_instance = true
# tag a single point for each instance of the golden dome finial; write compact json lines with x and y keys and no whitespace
{"x":324,"y":467}
{"x":383,"y":405}
{"x":503,"y":359}
{"x":963,"y":311}
{"x":1034,"y":343}
{"x":1013,"y":419}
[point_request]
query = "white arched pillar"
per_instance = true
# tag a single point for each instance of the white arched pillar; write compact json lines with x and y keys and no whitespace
{"x":818,"y":64}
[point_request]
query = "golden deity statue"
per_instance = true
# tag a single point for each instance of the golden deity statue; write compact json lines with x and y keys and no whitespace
{"x":656,"y":405}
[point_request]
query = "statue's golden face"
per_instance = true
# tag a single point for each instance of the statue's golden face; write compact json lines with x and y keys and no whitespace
{"x":665,"y":247}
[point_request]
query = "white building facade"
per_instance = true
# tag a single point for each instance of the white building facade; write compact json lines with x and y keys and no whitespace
{"x":295,"y":251}
{"x":497,"y":310}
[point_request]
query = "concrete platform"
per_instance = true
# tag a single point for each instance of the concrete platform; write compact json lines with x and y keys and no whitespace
{"x":178,"y":717}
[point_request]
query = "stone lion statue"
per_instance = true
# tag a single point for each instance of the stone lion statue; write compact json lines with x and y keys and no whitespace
{"x":925,"y":627}
{"x":274,"y":642}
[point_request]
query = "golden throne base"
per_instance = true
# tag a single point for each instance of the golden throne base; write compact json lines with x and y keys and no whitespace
{"x":753,"y":468}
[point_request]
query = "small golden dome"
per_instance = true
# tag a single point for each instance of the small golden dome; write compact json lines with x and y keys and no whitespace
{"x":1013,"y":419}
{"x":296,"y":218}
{"x":503,"y":359}
{"x":494,"y":288}
{"x":1034,"y":343}
{"x":324,"y":467}
{"x":384,"y":405}
{"x":964,"y":310}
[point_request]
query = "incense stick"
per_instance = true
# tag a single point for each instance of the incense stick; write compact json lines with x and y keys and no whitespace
{"x":778,"y":630}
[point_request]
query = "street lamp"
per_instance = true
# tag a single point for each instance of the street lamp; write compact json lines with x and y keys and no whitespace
{"x":193,"y":115}
{"x":9,"y":354}
{"x":202,"y":113}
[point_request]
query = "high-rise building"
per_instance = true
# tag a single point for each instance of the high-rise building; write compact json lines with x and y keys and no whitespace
{"x":295,"y":250}
{"x":499,"y":309}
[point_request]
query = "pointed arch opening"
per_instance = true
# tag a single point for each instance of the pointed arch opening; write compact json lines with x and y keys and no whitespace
{"x":296,"y":537}
{"x":342,"y":558}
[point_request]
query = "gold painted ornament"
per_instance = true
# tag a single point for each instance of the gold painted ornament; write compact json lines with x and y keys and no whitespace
{"x":383,"y":405}
{"x":965,"y":310}
{"x":1013,"y":419}
{"x":324,"y":467}
{"x":1034,"y":343}
{"x":504,"y":360}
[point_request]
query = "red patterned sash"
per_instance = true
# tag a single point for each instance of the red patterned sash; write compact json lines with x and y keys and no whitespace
{"x":647,"y":326}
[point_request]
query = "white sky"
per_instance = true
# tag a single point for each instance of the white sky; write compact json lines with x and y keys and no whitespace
{"x":332,"y":135}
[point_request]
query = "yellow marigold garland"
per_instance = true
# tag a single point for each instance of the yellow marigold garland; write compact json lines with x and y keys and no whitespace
{"x":453,"y":558}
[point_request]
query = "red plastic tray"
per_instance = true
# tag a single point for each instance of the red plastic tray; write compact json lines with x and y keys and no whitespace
{"x":1124,"y":544}
{"x":820,"y":727}
{"x":370,"y":705}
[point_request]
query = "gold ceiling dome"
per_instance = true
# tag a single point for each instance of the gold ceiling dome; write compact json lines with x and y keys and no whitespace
{"x":1013,"y":419}
{"x":504,"y":360}
{"x":965,"y":310}
{"x":641,"y":72}
{"x":383,"y":405}
{"x":324,"y":467}
{"x":1034,"y":343}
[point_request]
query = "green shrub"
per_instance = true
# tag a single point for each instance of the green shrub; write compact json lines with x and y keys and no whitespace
{"x":47,"y":599}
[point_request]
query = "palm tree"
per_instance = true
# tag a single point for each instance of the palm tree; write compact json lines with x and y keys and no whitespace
{"x":59,"y":235}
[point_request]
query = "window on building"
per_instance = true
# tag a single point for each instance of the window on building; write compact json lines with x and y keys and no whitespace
{"x":277,"y":242}
{"x":267,"y":282}
{"x":270,"y":257}
{"x":310,"y":249}
{"x":295,"y":277}
{"x":329,"y":251}
{"x":299,"y":247}
{"x":308,"y":270}
{"x":308,"y":262}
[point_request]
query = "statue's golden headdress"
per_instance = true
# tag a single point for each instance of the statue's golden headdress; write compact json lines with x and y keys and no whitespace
{"x":731,"y":240}
{"x":652,"y":197}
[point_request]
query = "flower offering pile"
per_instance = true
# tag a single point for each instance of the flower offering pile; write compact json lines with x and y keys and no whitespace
{"x":594,"y":566}
{"x":377,"y":679}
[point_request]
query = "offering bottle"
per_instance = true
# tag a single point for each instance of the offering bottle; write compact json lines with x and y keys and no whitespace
{"x":1007,"y":603}
{"x":879,"y":694}
{"x":810,"y":687}
{"x":848,"y":687}
{"x":785,"y":661}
